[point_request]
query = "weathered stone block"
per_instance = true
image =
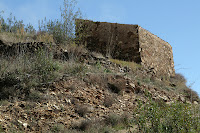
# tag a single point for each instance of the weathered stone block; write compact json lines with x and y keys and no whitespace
{"x":127,"y":42}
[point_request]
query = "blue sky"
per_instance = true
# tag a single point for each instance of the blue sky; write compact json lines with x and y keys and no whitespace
{"x":175,"y":21}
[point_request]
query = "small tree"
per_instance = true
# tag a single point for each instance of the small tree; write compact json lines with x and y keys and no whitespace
{"x":1,"y":21}
{"x":30,"y":29}
{"x":4,"y":26}
{"x":0,"y":26}
{"x":10,"y":22}
{"x":63,"y":30}
{"x":69,"y":14}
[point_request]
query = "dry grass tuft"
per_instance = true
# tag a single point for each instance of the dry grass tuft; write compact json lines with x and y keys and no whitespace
{"x":82,"y":110}
{"x":109,"y":101}
{"x":131,"y":65}
{"x":191,"y":95}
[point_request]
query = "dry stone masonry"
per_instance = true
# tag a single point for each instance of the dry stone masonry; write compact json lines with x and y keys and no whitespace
{"x":127,"y":42}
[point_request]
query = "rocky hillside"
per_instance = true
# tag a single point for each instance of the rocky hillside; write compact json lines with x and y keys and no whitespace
{"x":54,"y":88}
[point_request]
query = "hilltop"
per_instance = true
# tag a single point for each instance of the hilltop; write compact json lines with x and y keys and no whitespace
{"x":95,"y":77}
{"x":57,"y":88}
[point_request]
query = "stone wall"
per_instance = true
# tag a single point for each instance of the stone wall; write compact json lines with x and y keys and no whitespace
{"x":126,"y":42}
{"x":21,"y":48}
{"x":119,"y":41}
{"x":155,"y":53}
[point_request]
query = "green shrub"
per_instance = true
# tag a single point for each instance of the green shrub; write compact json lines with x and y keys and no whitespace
{"x":34,"y":96}
{"x":44,"y":66}
{"x":191,"y":95}
{"x":106,"y":129}
{"x":62,"y":29}
{"x":179,"y":83}
{"x":3,"y":102}
{"x":178,"y":78}
{"x":113,"y":120}
{"x":1,"y":129}
{"x":25,"y":71}
{"x":72,"y":68}
{"x":57,"y":128}
{"x":177,"y":117}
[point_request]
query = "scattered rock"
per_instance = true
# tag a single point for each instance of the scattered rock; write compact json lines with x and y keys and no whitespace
{"x":71,"y":99}
{"x":188,"y":102}
{"x":182,"y":99}
{"x":25,"y":125}
{"x":195,"y":102}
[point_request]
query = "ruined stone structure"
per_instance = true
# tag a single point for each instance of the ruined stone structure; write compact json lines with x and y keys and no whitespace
{"x":14,"y":49}
{"x":127,"y":42}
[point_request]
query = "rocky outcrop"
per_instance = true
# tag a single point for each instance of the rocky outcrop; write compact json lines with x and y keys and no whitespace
{"x":127,"y":42}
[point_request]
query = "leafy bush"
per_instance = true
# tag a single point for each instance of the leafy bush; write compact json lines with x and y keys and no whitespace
{"x":118,"y":121}
{"x":57,"y":128}
{"x":21,"y":73}
{"x":191,"y":95}
{"x":179,"y":82}
{"x":34,"y":96}
{"x":113,"y":120}
{"x":178,"y":78}
{"x":177,"y":117}
{"x":62,"y":30}
{"x":44,"y":66}
{"x":3,"y":102}
{"x":72,"y":68}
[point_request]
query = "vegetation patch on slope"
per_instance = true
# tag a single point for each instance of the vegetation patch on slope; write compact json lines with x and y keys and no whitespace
{"x":65,"y":88}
